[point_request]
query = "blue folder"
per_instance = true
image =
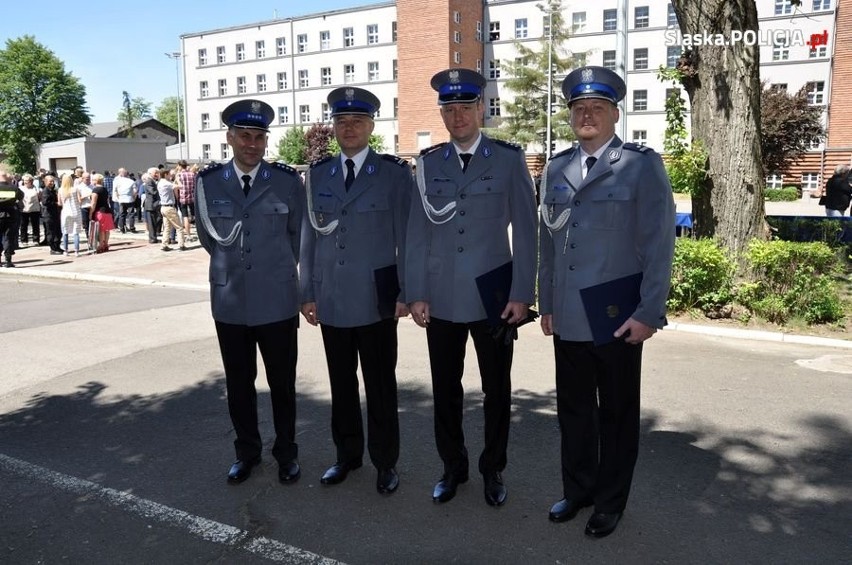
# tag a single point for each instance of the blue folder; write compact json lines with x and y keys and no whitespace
{"x":610,"y":304}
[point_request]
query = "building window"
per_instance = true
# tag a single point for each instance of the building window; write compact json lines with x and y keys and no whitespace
{"x":810,"y":182}
{"x":326,"y":112}
{"x":395,"y":69}
{"x":202,"y":57}
{"x":816,"y":93}
{"x":260,"y":49}
{"x":815,"y":143}
{"x":781,"y":49}
{"x":775,"y":181}
{"x":348,"y":37}
{"x":373,"y":71}
{"x":325,"y":40}
{"x":494,"y":31}
{"x":456,"y":57}
{"x":671,"y":17}
{"x":457,"y":16}
{"x":282,"y":81}
{"x":672,"y":56}
{"x":783,"y":7}
{"x":494,"y":107}
{"x":578,"y":22}
{"x":304,"y":113}
{"x":281,"y":46}
{"x":302,"y":42}
{"x":205,"y":121}
{"x":393,"y":31}
{"x":820,"y":51}
{"x":396,"y":107}
{"x":303,"y":78}
{"x":640,"y":100}
{"x":672,"y":93}
{"x":640,"y":136}
{"x":479,"y":66}
{"x":640,"y":16}
{"x":520,"y":28}
{"x":479,"y":31}
{"x":782,"y":86}
{"x":372,"y":34}
{"x":220,"y":54}
{"x":325,"y":76}
{"x":261,"y":83}
{"x":241,"y":85}
{"x":223,"y":87}
{"x":609,"y":60}
{"x":822,"y":5}
{"x":640,"y":59}
{"x":494,"y":69}
{"x":457,"y":36}
{"x":610,"y":20}
{"x":203,"y":89}
{"x":223,"y":151}
{"x":348,"y":74}
{"x":241,"y":52}
{"x":205,"y":151}
{"x":283,"y":115}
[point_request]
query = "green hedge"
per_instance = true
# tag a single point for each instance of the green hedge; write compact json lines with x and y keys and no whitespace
{"x":786,"y":194}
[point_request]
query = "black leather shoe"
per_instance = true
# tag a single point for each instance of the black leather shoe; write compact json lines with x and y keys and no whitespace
{"x":445,"y":490}
{"x":495,"y":490}
{"x":241,"y":470}
{"x":289,"y":472}
{"x":337,"y":473}
{"x":602,"y":524}
{"x":566,"y":509}
{"x":387,"y":480}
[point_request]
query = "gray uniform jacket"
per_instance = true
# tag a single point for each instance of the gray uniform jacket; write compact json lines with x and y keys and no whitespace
{"x":337,"y":269}
{"x":621,"y":222}
{"x":443,"y":260}
{"x":253,"y":280}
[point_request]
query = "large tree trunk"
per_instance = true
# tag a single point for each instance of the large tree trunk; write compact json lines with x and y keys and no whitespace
{"x":723,"y":84}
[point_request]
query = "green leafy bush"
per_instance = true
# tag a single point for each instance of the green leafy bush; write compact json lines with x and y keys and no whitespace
{"x":702,"y":276}
{"x":786,"y":194}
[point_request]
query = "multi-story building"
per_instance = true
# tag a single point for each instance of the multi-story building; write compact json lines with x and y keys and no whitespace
{"x":393,"y":48}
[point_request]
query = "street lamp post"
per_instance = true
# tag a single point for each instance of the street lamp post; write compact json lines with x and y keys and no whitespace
{"x":177,"y":57}
{"x":548,"y":134}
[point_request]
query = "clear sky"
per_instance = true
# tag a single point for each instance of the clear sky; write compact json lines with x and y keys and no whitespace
{"x":113,"y":46}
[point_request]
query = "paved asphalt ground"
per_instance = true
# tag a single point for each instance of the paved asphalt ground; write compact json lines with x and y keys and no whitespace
{"x":114,"y":441}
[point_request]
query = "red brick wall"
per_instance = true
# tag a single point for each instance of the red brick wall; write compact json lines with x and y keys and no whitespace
{"x":840,"y":99}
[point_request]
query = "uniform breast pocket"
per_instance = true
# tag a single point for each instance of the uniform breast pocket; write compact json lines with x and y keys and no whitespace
{"x":275,"y":216}
{"x":611,"y":208}
{"x":371,"y":211}
{"x":324,"y":208}
{"x":440,"y":193}
{"x":486,"y":200}
{"x":222,"y":217}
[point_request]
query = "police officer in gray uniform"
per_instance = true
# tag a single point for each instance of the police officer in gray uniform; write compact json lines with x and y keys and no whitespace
{"x":250,"y":220}
{"x":607,"y":212}
{"x":353,"y":243}
{"x":470,"y":191}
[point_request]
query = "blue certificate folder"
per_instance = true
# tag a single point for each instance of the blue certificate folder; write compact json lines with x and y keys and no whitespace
{"x":609,"y":304}
{"x":494,"y":288}
{"x":387,"y":290}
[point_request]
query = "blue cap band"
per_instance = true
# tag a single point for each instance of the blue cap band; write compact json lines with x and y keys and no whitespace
{"x":353,"y":105}
{"x":594,"y":88}
{"x":247,"y":117}
{"x":459,"y":88}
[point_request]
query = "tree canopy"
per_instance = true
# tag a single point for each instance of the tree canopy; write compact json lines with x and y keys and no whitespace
{"x":167,"y":112}
{"x":788,"y":124}
{"x":292,"y":147}
{"x":526,"y":116}
{"x":133,"y":109}
{"x":40,"y":101}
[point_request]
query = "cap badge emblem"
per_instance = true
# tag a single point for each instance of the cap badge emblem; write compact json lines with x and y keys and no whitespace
{"x":350,"y":94}
{"x":587,"y":75}
{"x":255,"y":107}
{"x":454,"y":77}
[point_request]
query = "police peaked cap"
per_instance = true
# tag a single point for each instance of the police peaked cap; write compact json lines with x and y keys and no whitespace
{"x":458,"y":86}
{"x":593,"y":82}
{"x":352,"y":100}
{"x":248,"y":114}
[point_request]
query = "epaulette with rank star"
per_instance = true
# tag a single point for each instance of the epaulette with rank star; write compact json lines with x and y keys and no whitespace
{"x":433,"y":148}
{"x":508,"y":144}
{"x":563,"y":152}
{"x":637,"y":147}
{"x":394,"y":159}
{"x":284,"y":167}
{"x":209,"y":169}
{"x":321,"y":161}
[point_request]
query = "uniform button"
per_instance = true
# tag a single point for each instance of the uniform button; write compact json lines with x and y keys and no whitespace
{"x":343,"y":246}
{"x":247,"y":233}
{"x":461,"y":212}
{"x":461,"y":230}
{"x":576,"y":203}
{"x":440,"y":191}
{"x":461,"y":249}
{"x":343,"y":213}
{"x":574,"y":225}
{"x":342,"y":230}
{"x":571,"y":267}
{"x":248,"y":250}
{"x":340,"y":262}
{"x":609,"y":195}
{"x":248,"y":267}
{"x":463,"y":196}
{"x":246,"y":215}
{"x":573,"y":246}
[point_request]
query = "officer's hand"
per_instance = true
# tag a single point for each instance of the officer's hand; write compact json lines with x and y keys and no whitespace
{"x":514,"y":312}
{"x":638,"y":332}
{"x":420,"y":313}
{"x":309,"y":311}
{"x":401,"y":310}
{"x":547,"y":324}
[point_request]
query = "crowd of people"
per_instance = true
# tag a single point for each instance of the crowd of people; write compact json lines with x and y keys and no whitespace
{"x":56,"y":211}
